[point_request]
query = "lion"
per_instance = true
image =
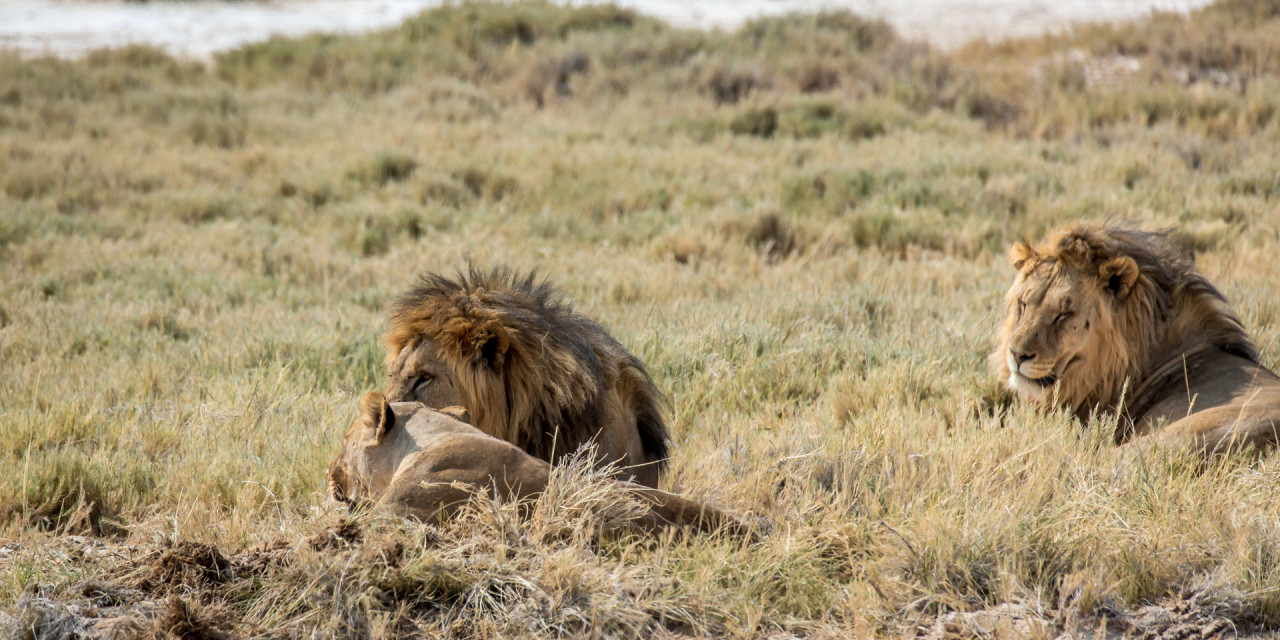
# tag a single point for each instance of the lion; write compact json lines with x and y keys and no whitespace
{"x":1108,"y":318}
{"x":527,"y":368}
{"x":422,"y":463}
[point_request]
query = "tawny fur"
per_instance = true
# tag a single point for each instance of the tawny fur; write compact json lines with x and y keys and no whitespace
{"x":1153,"y":340}
{"x":530,"y":370}
{"x":422,"y":463}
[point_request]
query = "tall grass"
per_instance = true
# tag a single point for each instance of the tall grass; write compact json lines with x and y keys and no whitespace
{"x":799,"y":226}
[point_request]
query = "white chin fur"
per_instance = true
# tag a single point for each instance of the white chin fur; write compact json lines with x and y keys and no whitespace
{"x":1021,"y":385}
{"x":1027,"y":388}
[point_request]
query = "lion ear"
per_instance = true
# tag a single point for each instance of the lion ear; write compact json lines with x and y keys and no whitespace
{"x":1020,"y":254}
{"x":492,"y":351}
{"x":378,"y":416}
{"x":1119,"y":275}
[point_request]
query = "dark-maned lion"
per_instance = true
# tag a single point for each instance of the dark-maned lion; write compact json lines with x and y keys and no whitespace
{"x":422,"y":463}
{"x":528,"y":369}
{"x":1110,"y":318}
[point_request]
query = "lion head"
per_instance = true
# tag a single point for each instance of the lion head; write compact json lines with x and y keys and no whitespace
{"x":351,"y":474}
{"x":384,"y":436}
{"x":528,"y":368}
{"x":1097,"y":306}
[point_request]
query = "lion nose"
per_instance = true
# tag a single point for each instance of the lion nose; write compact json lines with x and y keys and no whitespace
{"x":1021,"y":357}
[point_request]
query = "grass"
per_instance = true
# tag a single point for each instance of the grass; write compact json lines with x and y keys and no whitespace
{"x":799,"y":225}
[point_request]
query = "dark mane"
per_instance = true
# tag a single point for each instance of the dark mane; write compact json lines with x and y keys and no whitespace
{"x":422,"y":303}
{"x":529,"y":369}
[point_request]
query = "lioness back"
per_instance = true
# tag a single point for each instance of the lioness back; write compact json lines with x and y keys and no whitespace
{"x":422,"y":463}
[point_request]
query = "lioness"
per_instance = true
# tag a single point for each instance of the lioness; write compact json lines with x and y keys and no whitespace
{"x":528,"y":368}
{"x":1104,"y":317}
{"x":423,"y":463}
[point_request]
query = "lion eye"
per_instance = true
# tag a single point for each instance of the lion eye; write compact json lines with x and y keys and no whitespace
{"x":1022,"y":307}
{"x":1062,"y":317}
{"x":422,"y":382}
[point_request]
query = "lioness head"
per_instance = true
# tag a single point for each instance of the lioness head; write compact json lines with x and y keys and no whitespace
{"x":1068,"y":332}
{"x":350,"y":475}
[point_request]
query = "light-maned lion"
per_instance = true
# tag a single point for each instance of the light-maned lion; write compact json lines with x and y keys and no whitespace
{"x":1105,"y":317}
{"x":422,"y":463}
{"x":528,"y":369}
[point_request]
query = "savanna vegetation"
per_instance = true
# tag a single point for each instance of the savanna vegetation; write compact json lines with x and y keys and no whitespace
{"x":799,"y":226}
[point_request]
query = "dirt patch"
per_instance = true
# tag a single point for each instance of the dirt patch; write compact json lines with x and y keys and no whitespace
{"x":185,"y":621}
{"x":130,"y":616}
{"x":189,"y":590}
{"x":183,"y":589}
{"x":385,"y":552}
{"x":189,"y":564}
{"x":338,"y":536}
{"x":1192,"y":616}
{"x":38,"y":616}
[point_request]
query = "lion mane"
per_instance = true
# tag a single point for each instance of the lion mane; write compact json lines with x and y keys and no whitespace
{"x":528,"y":368}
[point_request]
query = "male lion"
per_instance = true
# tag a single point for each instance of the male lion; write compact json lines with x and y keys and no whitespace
{"x":1110,"y":318}
{"x":528,"y":369}
{"x":422,"y":463}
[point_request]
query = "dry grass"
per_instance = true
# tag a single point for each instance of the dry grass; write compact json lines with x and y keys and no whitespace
{"x":799,"y":226}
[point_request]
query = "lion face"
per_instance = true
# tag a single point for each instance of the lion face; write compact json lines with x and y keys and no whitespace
{"x":338,"y":478}
{"x":1052,"y":311}
{"x":348,"y":474}
{"x":419,"y":374}
{"x":1060,"y":333}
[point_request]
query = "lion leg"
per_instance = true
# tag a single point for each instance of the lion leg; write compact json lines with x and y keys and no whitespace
{"x":645,"y":474}
{"x":1222,"y":430}
{"x":431,"y":500}
{"x":524,"y":476}
{"x":670,"y":510}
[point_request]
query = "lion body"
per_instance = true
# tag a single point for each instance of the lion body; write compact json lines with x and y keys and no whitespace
{"x":528,"y":369}
{"x":1108,"y":318}
{"x":422,"y":463}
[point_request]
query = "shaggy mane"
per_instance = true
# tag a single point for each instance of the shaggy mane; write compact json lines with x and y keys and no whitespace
{"x":530,"y":370}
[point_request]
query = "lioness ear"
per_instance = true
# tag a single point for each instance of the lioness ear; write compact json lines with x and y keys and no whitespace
{"x":1020,"y":254}
{"x":1119,"y":275}
{"x":378,"y":415}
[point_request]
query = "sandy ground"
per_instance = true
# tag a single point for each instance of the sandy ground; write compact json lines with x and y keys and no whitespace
{"x":200,"y":28}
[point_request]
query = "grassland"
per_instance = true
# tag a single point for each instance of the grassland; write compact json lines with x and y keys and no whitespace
{"x":800,"y":226}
